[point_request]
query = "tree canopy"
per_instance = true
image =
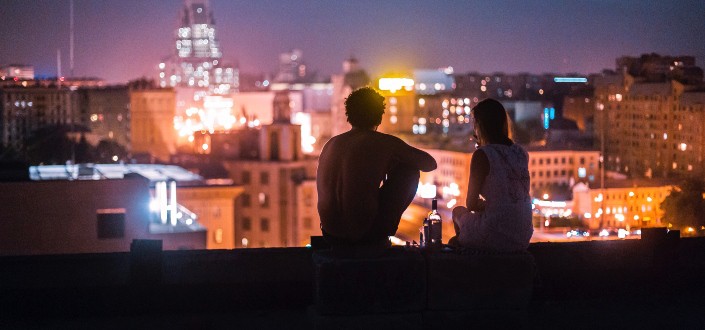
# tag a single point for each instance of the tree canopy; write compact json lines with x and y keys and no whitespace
{"x":685,"y":206}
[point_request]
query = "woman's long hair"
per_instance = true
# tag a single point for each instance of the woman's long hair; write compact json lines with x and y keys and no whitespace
{"x":492,"y":120}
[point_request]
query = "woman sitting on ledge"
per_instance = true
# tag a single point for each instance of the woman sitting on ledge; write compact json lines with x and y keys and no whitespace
{"x":498,"y":212}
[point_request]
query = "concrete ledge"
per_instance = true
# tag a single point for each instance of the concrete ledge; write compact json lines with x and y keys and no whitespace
{"x":479,"y":281}
{"x":394,"y":282}
{"x":575,"y":279}
{"x":481,"y":319}
{"x":406,"y":321}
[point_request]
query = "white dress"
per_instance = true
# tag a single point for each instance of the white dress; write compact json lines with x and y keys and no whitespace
{"x":505,"y":224}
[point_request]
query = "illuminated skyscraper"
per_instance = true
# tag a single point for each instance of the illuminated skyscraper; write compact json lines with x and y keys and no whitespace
{"x":196,"y":64}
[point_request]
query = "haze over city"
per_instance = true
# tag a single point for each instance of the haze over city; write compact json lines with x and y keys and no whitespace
{"x":352,"y":164}
{"x":120,"y":41}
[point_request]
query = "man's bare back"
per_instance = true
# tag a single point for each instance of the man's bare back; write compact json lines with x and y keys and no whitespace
{"x":365,"y":180}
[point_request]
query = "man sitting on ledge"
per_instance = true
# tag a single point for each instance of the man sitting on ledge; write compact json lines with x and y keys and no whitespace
{"x":366,"y":179}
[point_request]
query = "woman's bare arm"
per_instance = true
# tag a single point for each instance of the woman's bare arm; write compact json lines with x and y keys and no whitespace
{"x":479,"y":170}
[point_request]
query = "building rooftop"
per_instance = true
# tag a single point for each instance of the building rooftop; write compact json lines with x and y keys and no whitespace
{"x":651,"y":89}
{"x":153,"y":172}
{"x":634,"y":183}
{"x":692,"y":98}
{"x":542,"y":146}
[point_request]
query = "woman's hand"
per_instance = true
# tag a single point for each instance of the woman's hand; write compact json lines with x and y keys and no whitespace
{"x":458,"y":212}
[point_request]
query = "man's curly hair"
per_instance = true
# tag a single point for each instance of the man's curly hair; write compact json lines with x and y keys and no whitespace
{"x":364,"y":108}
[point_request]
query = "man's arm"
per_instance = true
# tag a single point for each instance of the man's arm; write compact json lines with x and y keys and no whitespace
{"x":415,"y":157}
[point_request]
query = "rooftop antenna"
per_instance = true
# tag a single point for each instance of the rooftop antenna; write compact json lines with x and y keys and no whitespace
{"x":58,"y":67}
{"x":71,"y":33}
{"x":71,"y":38}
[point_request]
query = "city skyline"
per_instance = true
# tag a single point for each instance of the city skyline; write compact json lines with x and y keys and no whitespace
{"x":387,"y":37}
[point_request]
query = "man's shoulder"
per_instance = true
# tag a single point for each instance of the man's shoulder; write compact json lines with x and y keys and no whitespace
{"x":388,"y":137}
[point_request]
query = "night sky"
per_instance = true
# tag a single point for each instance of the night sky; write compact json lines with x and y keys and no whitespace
{"x":126,"y":39}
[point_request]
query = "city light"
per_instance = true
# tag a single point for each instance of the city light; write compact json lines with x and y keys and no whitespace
{"x":451,"y":190}
{"x":570,"y":80}
{"x":396,"y":84}
{"x":622,"y":233}
{"x":426,"y":190}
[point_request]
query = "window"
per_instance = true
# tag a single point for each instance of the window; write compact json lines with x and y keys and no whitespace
{"x":246,"y":224}
{"x":245,"y":177}
{"x":263,"y":200}
{"x":581,"y":172}
{"x":111,"y":223}
{"x":308,"y":197}
{"x":245,"y":200}
{"x":264,"y":178}
{"x":264,"y":225}
{"x":218,"y":236}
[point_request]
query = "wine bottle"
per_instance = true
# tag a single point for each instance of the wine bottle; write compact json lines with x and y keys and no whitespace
{"x":435,"y":239}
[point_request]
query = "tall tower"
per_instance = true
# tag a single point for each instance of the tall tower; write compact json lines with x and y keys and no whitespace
{"x":291,"y":67}
{"x":196,"y":62}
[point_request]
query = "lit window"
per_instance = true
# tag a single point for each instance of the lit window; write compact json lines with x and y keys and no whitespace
{"x":218,"y":237}
{"x":263,"y":200}
{"x":582,"y":172}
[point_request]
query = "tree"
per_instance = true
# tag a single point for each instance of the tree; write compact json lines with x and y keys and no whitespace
{"x":107,"y":149}
{"x":685,"y":205}
{"x":49,"y":145}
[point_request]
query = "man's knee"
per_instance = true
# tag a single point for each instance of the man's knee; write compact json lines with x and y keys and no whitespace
{"x":406,"y":176}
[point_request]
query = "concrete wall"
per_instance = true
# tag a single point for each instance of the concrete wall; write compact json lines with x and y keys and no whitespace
{"x":596,"y":274}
